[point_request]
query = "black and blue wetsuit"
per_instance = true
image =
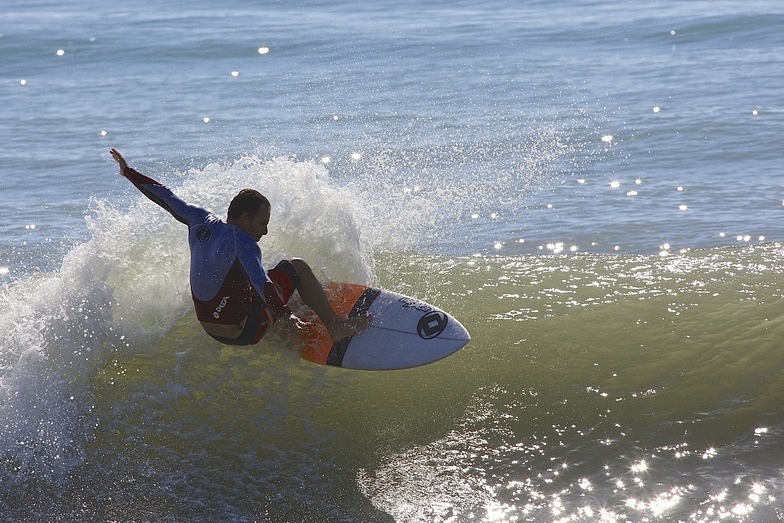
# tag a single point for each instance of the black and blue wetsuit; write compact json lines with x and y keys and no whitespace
{"x":228,"y":283}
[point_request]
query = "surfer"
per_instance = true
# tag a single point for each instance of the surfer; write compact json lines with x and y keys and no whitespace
{"x":235,"y":299}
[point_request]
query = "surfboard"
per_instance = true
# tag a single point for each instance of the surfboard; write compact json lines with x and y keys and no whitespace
{"x":405,"y":332}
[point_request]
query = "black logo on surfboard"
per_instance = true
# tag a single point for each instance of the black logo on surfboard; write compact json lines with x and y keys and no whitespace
{"x":431,"y":325}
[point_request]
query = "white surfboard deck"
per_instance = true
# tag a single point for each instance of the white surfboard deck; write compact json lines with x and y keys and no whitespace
{"x":405,"y":332}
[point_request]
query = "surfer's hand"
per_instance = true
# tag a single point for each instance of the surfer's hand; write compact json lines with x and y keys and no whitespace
{"x":292,"y":324}
{"x":118,"y":157}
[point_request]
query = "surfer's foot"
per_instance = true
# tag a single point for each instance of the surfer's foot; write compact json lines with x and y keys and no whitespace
{"x":343,"y":328}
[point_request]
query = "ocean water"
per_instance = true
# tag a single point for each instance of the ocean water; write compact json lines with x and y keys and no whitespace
{"x":593,"y":188}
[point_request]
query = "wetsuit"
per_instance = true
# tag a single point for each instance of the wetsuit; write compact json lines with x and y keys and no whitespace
{"x":228,"y":282}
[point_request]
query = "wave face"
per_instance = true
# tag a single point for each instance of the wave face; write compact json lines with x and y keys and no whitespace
{"x":625,"y":385}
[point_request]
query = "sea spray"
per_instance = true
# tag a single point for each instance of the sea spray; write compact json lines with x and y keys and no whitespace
{"x":125,"y":288}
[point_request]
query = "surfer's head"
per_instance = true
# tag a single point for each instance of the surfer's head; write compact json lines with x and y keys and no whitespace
{"x":248,"y":201}
{"x":250,"y":211}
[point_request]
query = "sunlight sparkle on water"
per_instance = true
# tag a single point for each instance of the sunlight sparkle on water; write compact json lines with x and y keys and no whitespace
{"x":60,"y":52}
{"x":640,"y":466}
{"x":557,"y":247}
{"x":585,"y":484}
{"x":264,"y":50}
{"x":709,"y":453}
{"x":615,"y":184}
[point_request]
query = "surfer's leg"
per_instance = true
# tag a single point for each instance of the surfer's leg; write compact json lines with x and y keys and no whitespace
{"x":312,"y":294}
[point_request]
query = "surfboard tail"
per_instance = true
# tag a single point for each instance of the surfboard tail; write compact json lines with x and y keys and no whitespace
{"x":346,"y":299}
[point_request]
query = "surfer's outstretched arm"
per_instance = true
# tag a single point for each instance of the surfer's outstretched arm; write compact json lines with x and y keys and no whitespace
{"x":159,"y":193}
{"x":117,"y":156}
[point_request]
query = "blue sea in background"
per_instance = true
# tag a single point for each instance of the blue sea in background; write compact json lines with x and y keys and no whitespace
{"x":594,"y":189}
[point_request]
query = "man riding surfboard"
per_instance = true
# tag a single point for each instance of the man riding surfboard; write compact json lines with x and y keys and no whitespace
{"x":235,"y":299}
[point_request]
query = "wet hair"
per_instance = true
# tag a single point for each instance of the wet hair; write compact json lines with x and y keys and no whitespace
{"x":247,"y":201}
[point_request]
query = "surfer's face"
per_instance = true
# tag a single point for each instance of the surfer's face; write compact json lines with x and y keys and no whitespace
{"x":255,"y":226}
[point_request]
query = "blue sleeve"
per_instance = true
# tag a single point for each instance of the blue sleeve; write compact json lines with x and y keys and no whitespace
{"x":163,"y":196}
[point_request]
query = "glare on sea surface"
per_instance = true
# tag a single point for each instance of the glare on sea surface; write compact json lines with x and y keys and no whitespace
{"x":556,"y":247}
{"x":640,"y":466}
{"x":264,"y":50}
{"x":709,"y":453}
{"x":615,"y":184}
